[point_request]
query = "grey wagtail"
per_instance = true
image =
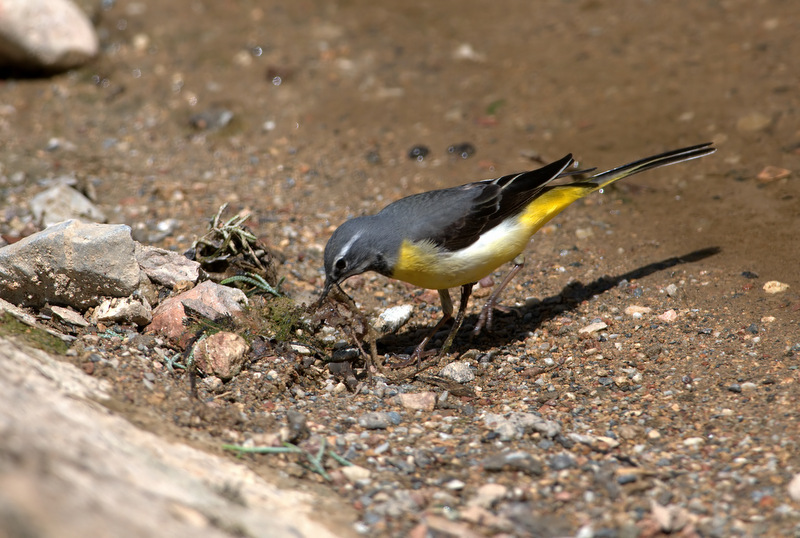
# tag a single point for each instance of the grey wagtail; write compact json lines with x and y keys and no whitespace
{"x":454,"y":237}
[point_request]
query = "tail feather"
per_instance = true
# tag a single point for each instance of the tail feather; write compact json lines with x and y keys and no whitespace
{"x":648,"y":163}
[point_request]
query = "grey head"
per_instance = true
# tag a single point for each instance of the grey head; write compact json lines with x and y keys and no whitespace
{"x":359,"y":245}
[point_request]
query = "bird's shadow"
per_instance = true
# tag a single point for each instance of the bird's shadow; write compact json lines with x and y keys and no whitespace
{"x":535,"y":314}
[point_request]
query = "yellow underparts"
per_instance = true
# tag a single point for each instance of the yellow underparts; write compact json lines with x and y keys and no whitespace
{"x":425,"y":265}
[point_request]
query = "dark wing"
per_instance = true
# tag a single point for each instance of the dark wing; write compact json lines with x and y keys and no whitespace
{"x":455,"y":218}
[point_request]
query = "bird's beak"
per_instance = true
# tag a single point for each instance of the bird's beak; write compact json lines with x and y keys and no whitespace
{"x":329,"y":283}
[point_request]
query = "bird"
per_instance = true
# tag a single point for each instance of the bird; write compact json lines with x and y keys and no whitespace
{"x":454,"y":237}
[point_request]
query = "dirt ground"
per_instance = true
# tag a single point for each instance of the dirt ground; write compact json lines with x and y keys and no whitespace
{"x":327,"y":100}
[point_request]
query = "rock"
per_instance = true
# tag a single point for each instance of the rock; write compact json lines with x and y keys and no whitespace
{"x":669,"y":316}
{"x":418,"y":401}
{"x":773,"y":286}
{"x":488,"y":495}
{"x":124,"y":309}
{"x":458,"y":371}
{"x":753,"y":122}
{"x":209,"y":299}
{"x":391,"y":319}
{"x":221,"y":354}
{"x":375,"y":420}
{"x":514,"y":461}
{"x":166,"y":267}
{"x":633,"y":310}
{"x":72,"y":263}
{"x":794,"y":488}
{"x":516,"y":425}
{"x":61,"y":203}
{"x":356,"y":473}
{"x":593,"y":327}
{"x":670,"y":519}
{"x":69,"y":315}
{"x":49,"y":35}
{"x":672,"y":290}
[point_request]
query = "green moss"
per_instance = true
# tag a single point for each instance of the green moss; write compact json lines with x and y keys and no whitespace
{"x":11,"y":326}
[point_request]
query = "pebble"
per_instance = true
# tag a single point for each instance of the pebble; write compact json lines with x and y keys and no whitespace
{"x":375,"y":420}
{"x":773,"y":286}
{"x":166,"y":267}
{"x":458,"y":371}
{"x":516,"y":425}
{"x":593,"y":327}
{"x":668,"y":316}
{"x":417,"y":401}
{"x":514,"y":461}
{"x":392,"y":319}
{"x":753,"y":122}
{"x":70,"y":316}
{"x":633,"y":310}
{"x":672,"y":290}
{"x":49,"y":35}
{"x":61,"y":203}
{"x":488,"y":495}
{"x":70,"y":264}
{"x":794,"y":488}
{"x":562,"y":461}
{"x":356,"y":473}
{"x":131,"y":309}
{"x":222,"y":354}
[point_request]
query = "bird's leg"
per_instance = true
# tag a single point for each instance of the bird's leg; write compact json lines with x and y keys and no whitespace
{"x":466,"y":290}
{"x":447,"y":313}
{"x":485,"y":317}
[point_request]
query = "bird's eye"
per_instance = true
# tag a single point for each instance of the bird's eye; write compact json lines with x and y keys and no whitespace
{"x":341,"y":264}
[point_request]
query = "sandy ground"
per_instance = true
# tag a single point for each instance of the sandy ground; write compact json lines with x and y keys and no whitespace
{"x":327,"y":100}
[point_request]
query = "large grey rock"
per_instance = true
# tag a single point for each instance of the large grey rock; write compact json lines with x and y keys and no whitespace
{"x":51,"y":35}
{"x":61,"y":203}
{"x":71,"y":263}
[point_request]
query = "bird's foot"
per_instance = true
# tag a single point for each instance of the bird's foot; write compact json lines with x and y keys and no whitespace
{"x":486,"y":316}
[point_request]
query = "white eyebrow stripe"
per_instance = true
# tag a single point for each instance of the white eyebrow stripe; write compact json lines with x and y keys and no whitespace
{"x":349,"y":244}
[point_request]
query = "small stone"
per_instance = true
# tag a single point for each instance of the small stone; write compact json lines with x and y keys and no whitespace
{"x":301,"y":349}
{"x":753,"y":122}
{"x":391,"y":319}
{"x":422,"y":401}
{"x":70,"y":316}
{"x":458,"y":371}
{"x":653,"y":434}
{"x":488,"y":495}
{"x":376,"y":420}
{"x":355,"y":473}
{"x":221,"y":354}
{"x":514,"y":461}
{"x":794,"y":488}
{"x":672,"y":290}
{"x":455,"y":485}
{"x":124,"y":310}
{"x":670,"y":519}
{"x":593,"y":327}
{"x":61,"y":203}
{"x":166,"y":267}
{"x":669,"y":316}
{"x":584,"y":233}
{"x":562,"y":461}
{"x":772,"y":173}
{"x":632,"y":310}
{"x":773,"y":286}
{"x":693,"y":441}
